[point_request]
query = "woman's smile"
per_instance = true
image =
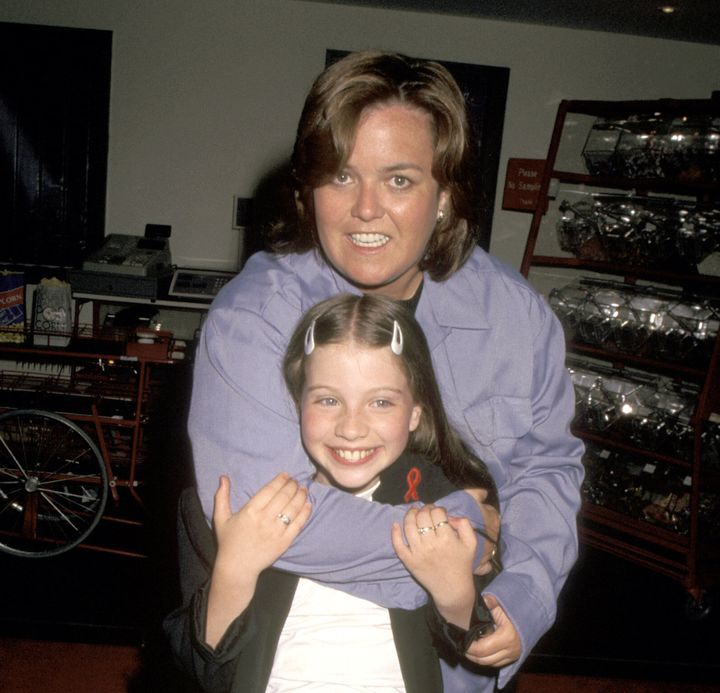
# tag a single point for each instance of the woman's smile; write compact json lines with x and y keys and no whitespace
{"x":369,"y":240}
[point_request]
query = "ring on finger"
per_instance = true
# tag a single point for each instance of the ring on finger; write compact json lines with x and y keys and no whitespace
{"x":285,"y":519}
{"x":425,"y":530}
{"x":442,"y":523}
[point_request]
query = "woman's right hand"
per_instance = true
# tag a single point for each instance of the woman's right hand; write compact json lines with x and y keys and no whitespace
{"x":255,"y":536}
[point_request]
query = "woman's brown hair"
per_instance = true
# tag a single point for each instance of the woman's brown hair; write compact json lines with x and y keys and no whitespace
{"x":326,"y":133}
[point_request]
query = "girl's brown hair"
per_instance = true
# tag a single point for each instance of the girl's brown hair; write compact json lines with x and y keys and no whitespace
{"x":368,"y":321}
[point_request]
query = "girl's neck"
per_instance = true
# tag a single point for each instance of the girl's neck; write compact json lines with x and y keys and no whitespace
{"x":365,"y":493}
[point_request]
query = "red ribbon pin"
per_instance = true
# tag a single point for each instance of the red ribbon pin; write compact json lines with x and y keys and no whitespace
{"x":413,"y":478}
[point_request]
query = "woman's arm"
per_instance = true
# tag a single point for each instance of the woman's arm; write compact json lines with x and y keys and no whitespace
{"x":539,"y":495}
{"x":243,"y":424}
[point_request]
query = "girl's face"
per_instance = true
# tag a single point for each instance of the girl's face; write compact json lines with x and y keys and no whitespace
{"x":376,"y":216}
{"x":356,"y":413}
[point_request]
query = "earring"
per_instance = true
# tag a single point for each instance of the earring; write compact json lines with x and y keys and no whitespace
{"x":440,"y":214}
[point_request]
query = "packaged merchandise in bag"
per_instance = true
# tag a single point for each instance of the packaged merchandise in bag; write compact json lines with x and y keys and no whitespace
{"x":12,"y":306}
{"x":52,"y":314}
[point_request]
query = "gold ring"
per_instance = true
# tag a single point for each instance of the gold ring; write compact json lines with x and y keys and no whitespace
{"x":424,"y":530}
{"x":442,"y":523}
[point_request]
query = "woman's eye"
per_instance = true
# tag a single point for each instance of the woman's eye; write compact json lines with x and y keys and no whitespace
{"x":327,"y":401}
{"x":382,"y":403}
{"x":400,"y":182}
{"x":342,"y":177}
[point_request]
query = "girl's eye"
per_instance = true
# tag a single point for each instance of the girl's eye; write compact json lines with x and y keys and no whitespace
{"x":327,"y":401}
{"x":382,"y":403}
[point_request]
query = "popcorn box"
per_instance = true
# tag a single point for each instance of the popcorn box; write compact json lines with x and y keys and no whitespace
{"x":12,"y":306}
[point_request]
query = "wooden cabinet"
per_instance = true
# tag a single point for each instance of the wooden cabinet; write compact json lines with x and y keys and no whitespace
{"x":625,"y":243}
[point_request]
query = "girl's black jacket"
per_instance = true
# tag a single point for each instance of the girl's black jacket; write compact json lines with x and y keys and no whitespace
{"x":243,"y":659}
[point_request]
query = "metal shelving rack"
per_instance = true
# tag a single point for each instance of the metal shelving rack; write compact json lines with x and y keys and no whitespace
{"x":693,"y":555}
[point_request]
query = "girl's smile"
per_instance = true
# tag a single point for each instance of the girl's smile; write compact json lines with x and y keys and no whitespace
{"x":356,"y":413}
{"x":353,"y":456}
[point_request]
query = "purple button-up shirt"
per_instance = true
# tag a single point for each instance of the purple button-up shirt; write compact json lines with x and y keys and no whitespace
{"x":498,"y":352}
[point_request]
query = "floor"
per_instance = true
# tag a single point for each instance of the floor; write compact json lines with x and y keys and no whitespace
{"x":31,"y":666}
{"x":86,"y":621}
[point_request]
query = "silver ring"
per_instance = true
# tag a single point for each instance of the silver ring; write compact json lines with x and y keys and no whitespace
{"x":442,"y":523}
{"x":285,"y":519}
{"x":424,"y":530}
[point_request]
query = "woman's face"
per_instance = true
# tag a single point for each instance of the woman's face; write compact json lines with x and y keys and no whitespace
{"x":356,"y":413}
{"x":376,"y":216}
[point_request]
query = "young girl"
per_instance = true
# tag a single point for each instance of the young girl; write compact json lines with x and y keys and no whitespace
{"x":360,"y":373}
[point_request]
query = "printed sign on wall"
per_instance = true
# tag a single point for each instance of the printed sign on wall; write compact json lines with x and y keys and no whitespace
{"x":522,"y":184}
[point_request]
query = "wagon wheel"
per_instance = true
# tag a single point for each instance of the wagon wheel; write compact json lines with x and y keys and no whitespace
{"x":53,"y":483}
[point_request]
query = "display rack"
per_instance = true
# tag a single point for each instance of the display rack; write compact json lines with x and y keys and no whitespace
{"x":109,"y":382}
{"x":625,"y":243}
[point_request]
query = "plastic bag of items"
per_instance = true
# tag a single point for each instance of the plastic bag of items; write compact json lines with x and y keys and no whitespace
{"x":52,"y":314}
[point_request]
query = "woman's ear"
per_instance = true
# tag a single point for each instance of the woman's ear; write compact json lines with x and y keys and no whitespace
{"x":415,"y":417}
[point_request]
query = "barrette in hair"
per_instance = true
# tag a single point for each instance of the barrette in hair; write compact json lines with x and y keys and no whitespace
{"x":397,"y":339}
{"x":310,"y":339}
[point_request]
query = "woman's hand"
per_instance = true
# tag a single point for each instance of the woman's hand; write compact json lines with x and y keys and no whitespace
{"x":500,"y":648}
{"x":439,"y":553}
{"x":491,"y":519}
{"x":249,"y":541}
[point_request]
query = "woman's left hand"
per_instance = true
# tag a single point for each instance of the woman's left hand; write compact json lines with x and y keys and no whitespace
{"x":500,"y":648}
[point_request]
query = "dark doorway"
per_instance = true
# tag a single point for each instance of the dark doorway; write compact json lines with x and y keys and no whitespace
{"x":54,"y":112}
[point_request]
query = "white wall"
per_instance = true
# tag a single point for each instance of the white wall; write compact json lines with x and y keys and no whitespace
{"x":206,"y":95}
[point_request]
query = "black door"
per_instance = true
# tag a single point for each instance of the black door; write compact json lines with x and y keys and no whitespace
{"x":54,"y":111}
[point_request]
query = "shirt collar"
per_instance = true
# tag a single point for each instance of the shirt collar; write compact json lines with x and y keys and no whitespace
{"x":442,"y":304}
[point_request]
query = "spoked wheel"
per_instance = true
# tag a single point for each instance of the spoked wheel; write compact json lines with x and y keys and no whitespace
{"x":53,"y":483}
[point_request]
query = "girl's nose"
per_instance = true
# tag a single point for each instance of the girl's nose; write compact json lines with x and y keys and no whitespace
{"x":367,"y":205}
{"x":351,"y":426}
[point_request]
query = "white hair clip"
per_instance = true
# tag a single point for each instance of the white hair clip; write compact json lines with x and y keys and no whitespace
{"x":310,"y":339}
{"x":397,"y":339}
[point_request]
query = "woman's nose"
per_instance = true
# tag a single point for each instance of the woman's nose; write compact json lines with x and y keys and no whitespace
{"x":367,"y":205}
{"x":351,"y":426}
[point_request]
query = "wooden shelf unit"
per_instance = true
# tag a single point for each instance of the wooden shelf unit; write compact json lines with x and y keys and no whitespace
{"x":688,"y":557}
